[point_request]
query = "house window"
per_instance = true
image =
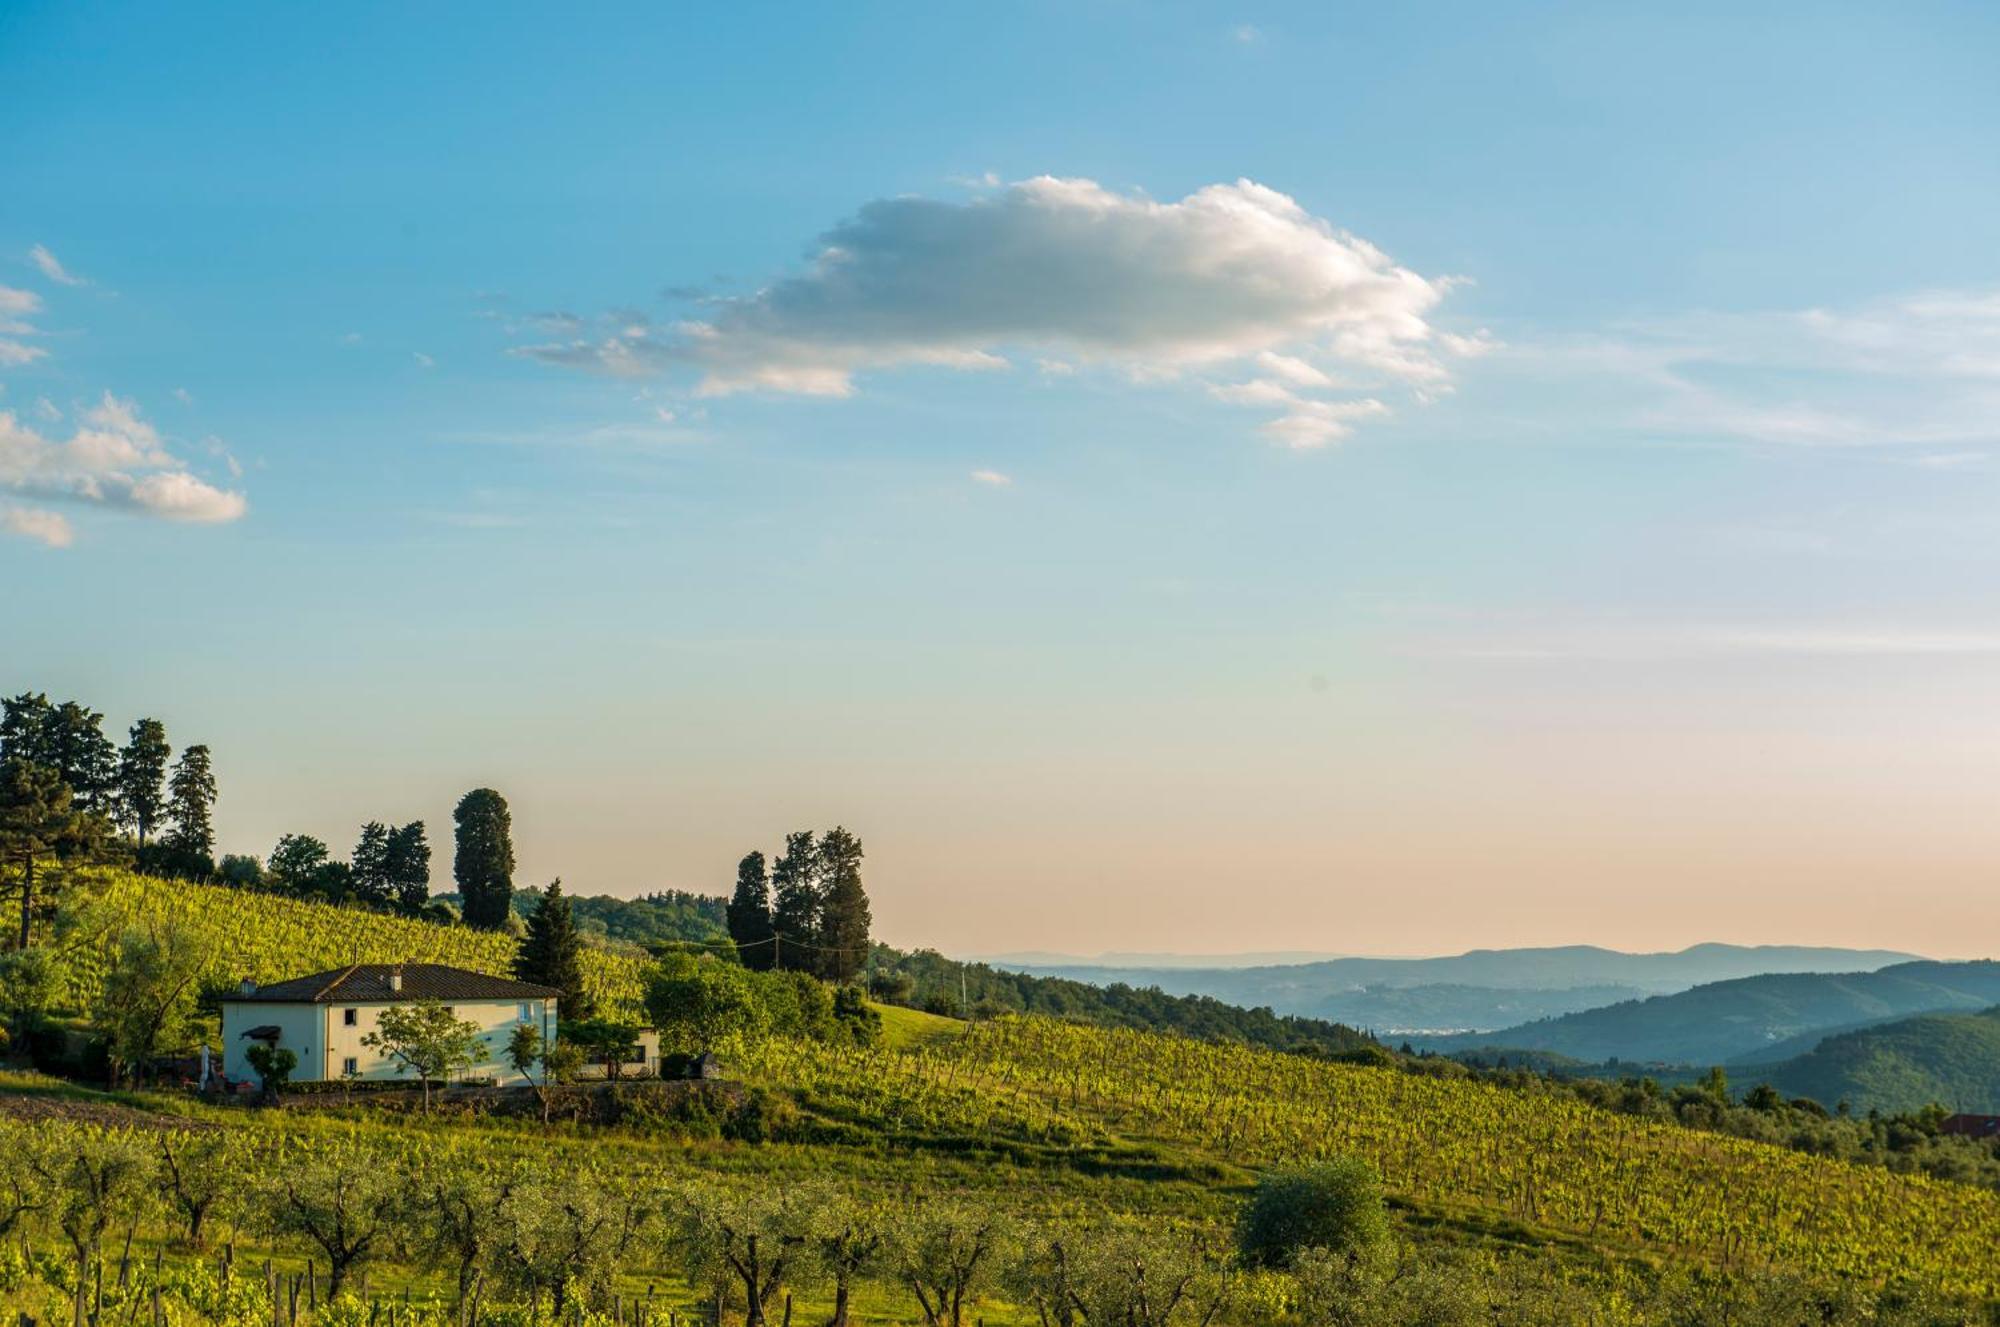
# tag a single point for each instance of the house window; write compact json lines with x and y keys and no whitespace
{"x":527,"y":1014}
{"x":449,"y":1012}
{"x":350,"y":1016}
{"x":350,"y":1065}
{"x":636,"y":1055}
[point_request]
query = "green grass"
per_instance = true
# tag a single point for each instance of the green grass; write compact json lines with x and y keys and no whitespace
{"x":913,"y":1027}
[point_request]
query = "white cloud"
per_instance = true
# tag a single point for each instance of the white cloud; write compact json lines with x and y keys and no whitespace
{"x":13,"y":354}
{"x":112,"y":458}
{"x":48,"y":527}
{"x":424,"y":361}
{"x":1306,"y":422}
{"x":1069,"y":272}
{"x":45,"y":262}
{"x":18,"y":303}
{"x":1247,"y":35}
{"x":179,"y":496}
{"x":184,"y":396}
{"x":991,"y":478}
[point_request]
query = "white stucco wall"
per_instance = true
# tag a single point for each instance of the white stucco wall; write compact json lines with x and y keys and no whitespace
{"x":301,"y":1030}
{"x":323,"y":1039}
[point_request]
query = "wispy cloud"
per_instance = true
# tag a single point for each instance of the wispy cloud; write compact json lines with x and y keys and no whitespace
{"x":1067,"y":271}
{"x":47,"y":264}
{"x":1919,"y":369}
{"x":16,"y":308}
{"x":1613,"y":643}
{"x":991,"y":478}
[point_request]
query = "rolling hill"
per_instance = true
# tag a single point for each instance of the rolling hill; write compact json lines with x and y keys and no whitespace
{"x":1951,"y":1059}
{"x":1732,"y":1020}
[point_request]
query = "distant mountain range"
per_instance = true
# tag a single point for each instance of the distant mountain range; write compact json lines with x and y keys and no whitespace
{"x":1481,"y":989}
{"x":1749,"y":1020}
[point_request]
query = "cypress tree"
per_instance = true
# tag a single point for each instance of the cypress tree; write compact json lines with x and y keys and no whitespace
{"x":795,"y":902}
{"x":484,"y":863}
{"x":749,"y":913}
{"x":549,"y":954}
{"x":844,"y":916}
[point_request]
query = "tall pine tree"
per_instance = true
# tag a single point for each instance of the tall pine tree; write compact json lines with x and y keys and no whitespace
{"x":142,"y":777}
{"x":483,"y":865}
{"x":38,"y":822}
{"x":844,"y":918}
{"x":749,"y":913}
{"x":408,"y":868}
{"x":369,"y":866}
{"x":190,"y":801}
{"x":550,"y":954}
{"x":795,"y":902}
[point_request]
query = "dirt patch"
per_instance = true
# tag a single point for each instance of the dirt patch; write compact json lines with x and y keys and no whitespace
{"x":33,"y":1108}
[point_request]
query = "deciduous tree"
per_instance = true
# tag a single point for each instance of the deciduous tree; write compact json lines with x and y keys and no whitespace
{"x":697,"y":1002}
{"x":146,"y":1003}
{"x":426,"y":1039}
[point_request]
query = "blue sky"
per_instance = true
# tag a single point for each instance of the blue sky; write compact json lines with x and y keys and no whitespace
{"x":1432,"y":476}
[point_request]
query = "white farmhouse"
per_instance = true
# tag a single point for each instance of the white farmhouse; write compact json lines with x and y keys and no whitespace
{"x":322,"y":1018}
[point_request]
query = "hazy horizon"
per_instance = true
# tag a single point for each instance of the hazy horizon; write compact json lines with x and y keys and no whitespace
{"x":1373,"y":481}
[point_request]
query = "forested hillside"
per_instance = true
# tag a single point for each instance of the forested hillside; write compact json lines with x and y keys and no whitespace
{"x":1950,"y":1059}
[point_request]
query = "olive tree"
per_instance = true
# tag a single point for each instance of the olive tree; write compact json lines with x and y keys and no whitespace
{"x":946,"y":1253}
{"x":565,"y":1232}
{"x":752,"y":1240}
{"x":340,"y":1197}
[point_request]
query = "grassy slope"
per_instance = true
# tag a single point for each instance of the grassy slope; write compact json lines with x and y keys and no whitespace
{"x":913,"y":1027}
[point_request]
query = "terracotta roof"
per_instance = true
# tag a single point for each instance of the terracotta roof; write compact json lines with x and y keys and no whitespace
{"x":359,"y":983}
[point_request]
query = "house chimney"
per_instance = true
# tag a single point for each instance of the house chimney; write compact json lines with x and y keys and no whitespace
{"x":396,"y":978}
{"x":246,"y":987}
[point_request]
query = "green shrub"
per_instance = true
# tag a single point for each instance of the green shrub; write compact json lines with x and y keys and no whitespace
{"x":1335,"y":1206}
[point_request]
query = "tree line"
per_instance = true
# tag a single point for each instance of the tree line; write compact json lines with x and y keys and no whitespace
{"x":807,"y":911}
{"x":70,"y":796}
{"x":67,"y":791}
